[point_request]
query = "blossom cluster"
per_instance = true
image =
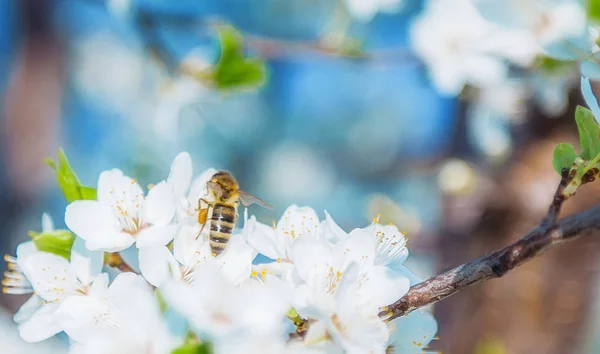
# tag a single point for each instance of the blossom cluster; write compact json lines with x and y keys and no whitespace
{"x":323,"y":290}
{"x":491,"y":35}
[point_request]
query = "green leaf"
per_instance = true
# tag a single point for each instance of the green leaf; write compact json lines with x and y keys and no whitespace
{"x":564,"y":157}
{"x":193,"y":348}
{"x":58,"y":242}
{"x":234,"y":70}
{"x":589,"y":133}
{"x":67,"y":180}
{"x":593,"y":10}
{"x":88,"y":193}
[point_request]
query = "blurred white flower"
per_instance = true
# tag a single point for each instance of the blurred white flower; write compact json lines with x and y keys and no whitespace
{"x":470,"y":50}
{"x":110,"y":72}
{"x":172,"y":101}
{"x":556,"y":25}
{"x":296,"y":172}
{"x":127,"y":320}
{"x":365,"y":10}
{"x":551,"y":90}
{"x":215,"y":307}
{"x":122,"y":215}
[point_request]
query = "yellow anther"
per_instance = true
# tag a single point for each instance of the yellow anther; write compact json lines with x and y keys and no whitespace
{"x":150,"y":186}
{"x":254,"y":273}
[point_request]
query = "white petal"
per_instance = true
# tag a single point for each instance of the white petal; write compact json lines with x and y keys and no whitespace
{"x":91,"y":220}
{"x":99,"y":286}
{"x":108,"y":183}
{"x":126,"y":282}
{"x":83,"y":317}
{"x":295,"y":222}
{"x":198,"y":188}
{"x":391,"y":244}
{"x":24,"y":250}
{"x":330,"y":230}
{"x":308,"y":252}
{"x":382,"y":286}
{"x":160,"y":205}
{"x":158,"y":265}
{"x":180,"y":176}
{"x":87,"y":264}
{"x":42,"y":325}
{"x":187,"y":242}
{"x":155,"y":236}
{"x":358,"y":247}
{"x":28,"y":309}
{"x":298,"y":221}
{"x":47,"y":223}
{"x":263,"y":238}
{"x":114,"y":241}
{"x":51,"y":276}
{"x":590,"y":97}
{"x":359,"y":334}
{"x":236,"y":260}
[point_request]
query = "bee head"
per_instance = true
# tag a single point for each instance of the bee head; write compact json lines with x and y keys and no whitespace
{"x":223,"y":185}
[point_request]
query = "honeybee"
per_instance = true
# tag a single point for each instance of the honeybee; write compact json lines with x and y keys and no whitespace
{"x":226,"y":193}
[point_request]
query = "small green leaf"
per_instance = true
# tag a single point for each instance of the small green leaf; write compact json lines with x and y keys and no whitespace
{"x":67,"y":180}
{"x":589,"y":133}
{"x":193,"y":348}
{"x":234,"y":70}
{"x":58,"y":242}
{"x":564,"y":157}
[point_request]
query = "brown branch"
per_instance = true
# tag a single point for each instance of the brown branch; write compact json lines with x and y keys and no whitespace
{"x":496,"y":264}
{"x":558,"y":200}
{"x":114,"y":260}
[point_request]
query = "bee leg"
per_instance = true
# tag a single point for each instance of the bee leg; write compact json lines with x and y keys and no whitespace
{"x":203,"y":214}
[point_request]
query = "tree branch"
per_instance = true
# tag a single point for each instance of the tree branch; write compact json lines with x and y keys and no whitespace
{"x":549,"y":234}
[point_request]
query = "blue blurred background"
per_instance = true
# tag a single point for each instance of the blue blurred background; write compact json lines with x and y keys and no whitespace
{"x":353,"y":136}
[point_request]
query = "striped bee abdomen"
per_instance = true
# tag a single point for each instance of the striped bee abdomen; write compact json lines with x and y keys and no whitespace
{"x":222,"y":223}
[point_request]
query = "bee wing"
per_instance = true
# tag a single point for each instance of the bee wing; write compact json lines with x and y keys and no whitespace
{"x":248,"y":199}
{"x":215,"y":187}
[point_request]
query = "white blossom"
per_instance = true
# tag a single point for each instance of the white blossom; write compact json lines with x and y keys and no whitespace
{"x":336,"y":283}
{"x":216,"y":307}
{"x":191,"y":251}
{"x":558,"y":26}
{"x":122,"y":215}
{"x":54,"y":280}
{"x":126,"y":320}
{"x":470,"y":50}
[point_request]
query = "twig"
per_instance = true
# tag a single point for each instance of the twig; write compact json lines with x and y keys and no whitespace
{"x":498,"y":263}
{"x":114,"y":260}
{"x":557,"y":201}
